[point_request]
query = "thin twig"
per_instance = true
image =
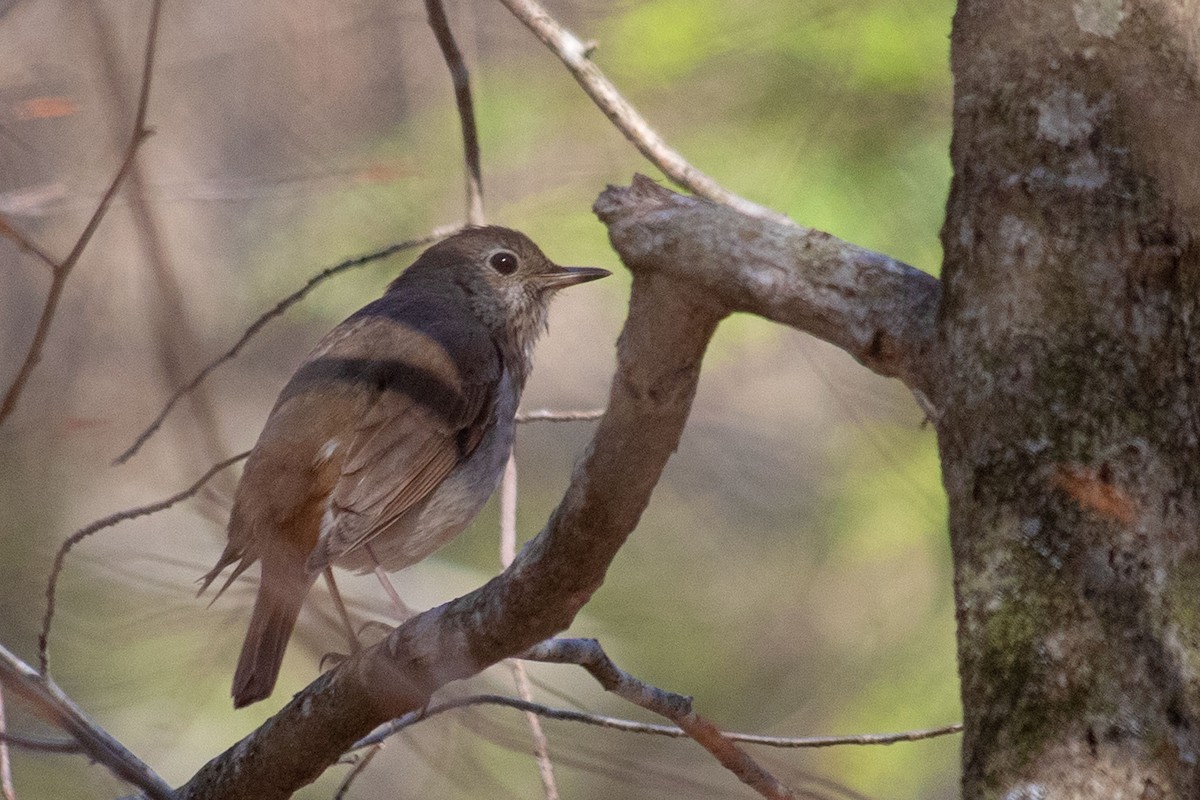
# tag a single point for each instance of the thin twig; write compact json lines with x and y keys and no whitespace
{"x":63,"y":270}
{"x":546,"y":415}
{"x":359,"y":766}
{"x":508,"y":551}
{"x":173,"y":334}
{"x":53,"y":704}
{"x":588,"y":654}
{"x":466,"y":108}
{"x":100,"y":524}
{"x":576,"y":56}
{"x":258,"y":324}
{"x":25,"y":243}
{"x":40,"y":745}
{"x":6,"y":779}
{"x":652,"y":729}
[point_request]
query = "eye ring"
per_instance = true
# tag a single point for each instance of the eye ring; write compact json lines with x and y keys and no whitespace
{"x":504,"y":262}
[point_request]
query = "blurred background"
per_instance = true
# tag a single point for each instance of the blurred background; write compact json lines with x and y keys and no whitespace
{"x":792,"y":572}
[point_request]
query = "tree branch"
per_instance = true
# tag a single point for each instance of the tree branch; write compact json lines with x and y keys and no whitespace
{"x":508,"y":552}
{"x":40,"y":745}
{"x":26,"y":244}
{"x":877,"y":309}
{"x":466,"y":108}
{"x":60,"y":557}
{"x":632,"y":726}
{"x":546,"y":415}
{"x":588,"y":654}
{"x":576,"y":56}
{"x":51,"y":703}
{"x":62,"y":271}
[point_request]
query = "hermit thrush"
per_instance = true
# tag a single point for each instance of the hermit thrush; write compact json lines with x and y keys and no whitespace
{"x":393,"y":432}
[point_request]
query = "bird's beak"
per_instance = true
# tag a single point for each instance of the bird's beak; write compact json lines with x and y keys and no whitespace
{"x":561,"y":277}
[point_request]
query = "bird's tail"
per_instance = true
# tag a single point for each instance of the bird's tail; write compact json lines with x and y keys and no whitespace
{"x":281,"y":591}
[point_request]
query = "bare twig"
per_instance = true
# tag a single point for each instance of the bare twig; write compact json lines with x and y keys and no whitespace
{"x":99,"y":525}
{"x":649,"y":728}
{"x":576,"y":56}
{"x":508,"y":551}
{"x":40,"y":745}
{"x":9,"y":232}
{"x":174,"y":337}
{"x":63,"y":270}
{"x":545,"y":415}
{"x":359,"y":766}
{"x":588,"y":654}
{"x":6,"y":779}
{"x":258,"y":324}
{"x":466,"y":108}
{"x":51,"y":703}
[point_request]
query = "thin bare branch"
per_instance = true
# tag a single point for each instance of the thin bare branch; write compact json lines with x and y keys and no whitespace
{"x":25,"y":243}
{"x":577,"y":57}
{"x":879,"y":310}
{"x":63,"y":270}
{"x":275,"y":311}
{"x":649,"y":728}
{"x":588,"y":654}
{"x":51,"y":703}
{"x":359,"y":767}
{"x":173,"y":336}
{"x":466,"y":108}
{"x":40,"y":745}
{"x":6,"y":778}
{"x":99,"y":525}
{"x":546,"y":415}
{"x":508,"y":551}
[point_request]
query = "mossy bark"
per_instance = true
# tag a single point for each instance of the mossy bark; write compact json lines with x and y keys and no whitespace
{"x":1070,"y":391}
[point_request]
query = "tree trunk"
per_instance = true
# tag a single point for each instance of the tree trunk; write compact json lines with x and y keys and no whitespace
{"x":1070,"y":414}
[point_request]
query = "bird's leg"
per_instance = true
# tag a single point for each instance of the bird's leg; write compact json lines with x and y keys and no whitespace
{"x":340,"y":605}
{"x":403,"y":612}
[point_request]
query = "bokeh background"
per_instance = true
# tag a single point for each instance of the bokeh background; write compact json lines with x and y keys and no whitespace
{"x":792,"y":572}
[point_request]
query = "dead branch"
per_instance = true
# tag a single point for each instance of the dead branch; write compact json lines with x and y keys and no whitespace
{"x":546,"y":415}
{"x":25,"y":243}
{"x":466,"y":108}
{"x":51,"y":703}
{"x":588,"y":654}
{"x":508,"y":551}
{"x":879,"y":310}
{"x":649,"y":728}
{"x":576,"y":55}
{"x":107,"y":522}
{"x":62,"y":270}
{"x":40,"y":745}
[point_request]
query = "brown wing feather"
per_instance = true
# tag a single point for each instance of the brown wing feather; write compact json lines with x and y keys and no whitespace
{"x":410,"y":439}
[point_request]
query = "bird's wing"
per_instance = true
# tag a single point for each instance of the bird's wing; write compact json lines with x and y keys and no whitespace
{"x":432,"y":403}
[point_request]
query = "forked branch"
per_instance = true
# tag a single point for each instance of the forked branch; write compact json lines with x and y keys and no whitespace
{"x":62,"y":270}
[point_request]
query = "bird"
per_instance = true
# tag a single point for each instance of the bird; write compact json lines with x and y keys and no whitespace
{"x":392,"y":434}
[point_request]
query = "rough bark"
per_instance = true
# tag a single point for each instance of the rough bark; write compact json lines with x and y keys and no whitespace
{"x":1069,"y":391}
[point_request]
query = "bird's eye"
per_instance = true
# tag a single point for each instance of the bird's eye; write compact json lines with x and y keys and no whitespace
{"x":503,"y":262}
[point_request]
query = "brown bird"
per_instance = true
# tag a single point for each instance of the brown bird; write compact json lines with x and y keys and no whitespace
{"x":392,"y":434}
